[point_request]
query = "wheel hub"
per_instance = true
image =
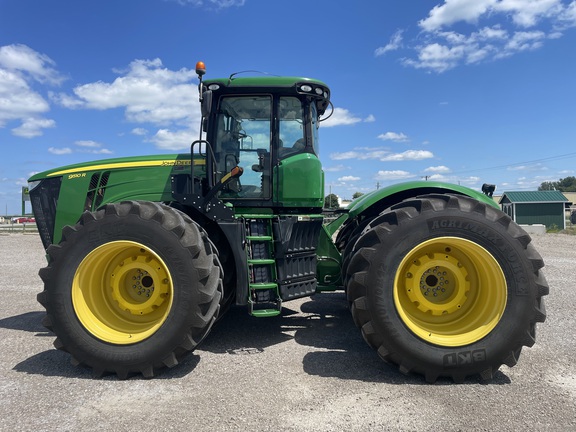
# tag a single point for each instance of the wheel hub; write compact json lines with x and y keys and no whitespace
{"x":134,"y":287}
{"x":437,"y":283}
{"x":450,"y":291}
{"x":122,"y":292}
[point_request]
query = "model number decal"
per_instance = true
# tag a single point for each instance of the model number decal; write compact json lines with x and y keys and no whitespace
{"x":74,"y":176}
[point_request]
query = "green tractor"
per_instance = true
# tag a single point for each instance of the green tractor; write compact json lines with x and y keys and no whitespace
{"x":146,"y":253}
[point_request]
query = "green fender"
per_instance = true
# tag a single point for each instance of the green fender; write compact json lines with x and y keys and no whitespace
{"x":401,"y":191}
{"x":374,"y":203}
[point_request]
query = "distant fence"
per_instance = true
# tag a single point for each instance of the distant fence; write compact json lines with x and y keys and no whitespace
{"x":18,"y":228}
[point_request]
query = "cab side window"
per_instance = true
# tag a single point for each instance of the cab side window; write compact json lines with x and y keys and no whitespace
{"x":291,"y":127}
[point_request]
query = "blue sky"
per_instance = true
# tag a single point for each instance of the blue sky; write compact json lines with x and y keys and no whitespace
{"x":463,"y":91}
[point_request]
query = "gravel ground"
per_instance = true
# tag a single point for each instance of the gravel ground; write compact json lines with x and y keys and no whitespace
{"x":308,"y":370}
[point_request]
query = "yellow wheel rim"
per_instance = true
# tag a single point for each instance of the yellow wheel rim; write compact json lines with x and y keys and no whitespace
{"x":450,"y":291}
{"x":122,"y":292}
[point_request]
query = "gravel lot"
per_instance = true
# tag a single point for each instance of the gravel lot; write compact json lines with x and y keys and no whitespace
{"x":308,"y":370}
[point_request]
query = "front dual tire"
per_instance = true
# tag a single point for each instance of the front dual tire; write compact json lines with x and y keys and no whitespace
{"x":131,"y":288}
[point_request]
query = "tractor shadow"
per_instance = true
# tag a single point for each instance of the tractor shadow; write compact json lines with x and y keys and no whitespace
{"x":323,"y":322}
{"x":48,"y":363}
{"x":29,"y":321}
{"x":56,"y":363}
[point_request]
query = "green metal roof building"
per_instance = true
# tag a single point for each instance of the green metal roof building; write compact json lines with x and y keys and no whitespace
{"x":536,"y":207}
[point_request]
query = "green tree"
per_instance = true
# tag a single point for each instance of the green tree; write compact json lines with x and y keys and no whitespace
{"x":357,"y":195}
{"x":567,"y":184}
{"x":331,"y":201}
{"x":545,"y":186}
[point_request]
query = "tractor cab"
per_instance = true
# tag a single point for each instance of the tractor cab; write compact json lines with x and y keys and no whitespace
{"x":261,"y":145}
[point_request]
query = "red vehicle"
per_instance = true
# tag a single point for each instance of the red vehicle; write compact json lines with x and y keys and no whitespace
{"x":23,"y":219}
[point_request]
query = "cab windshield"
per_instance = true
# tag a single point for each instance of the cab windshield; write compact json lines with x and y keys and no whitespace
{"x":244,"y":136}
{"x":243,"y":139}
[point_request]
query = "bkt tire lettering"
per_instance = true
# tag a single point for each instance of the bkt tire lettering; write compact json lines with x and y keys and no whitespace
{"x":464,"y":358}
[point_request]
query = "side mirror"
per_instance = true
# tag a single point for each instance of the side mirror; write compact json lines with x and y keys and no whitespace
{"x":206,"y":103}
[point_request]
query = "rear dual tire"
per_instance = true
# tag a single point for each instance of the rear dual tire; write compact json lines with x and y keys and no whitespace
{"x":444,"y":285}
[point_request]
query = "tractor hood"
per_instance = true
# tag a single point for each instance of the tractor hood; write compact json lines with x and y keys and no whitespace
{"x":149,"y":161}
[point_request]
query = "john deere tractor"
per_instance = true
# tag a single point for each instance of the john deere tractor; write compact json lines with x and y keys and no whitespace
{"x":146,"y":253}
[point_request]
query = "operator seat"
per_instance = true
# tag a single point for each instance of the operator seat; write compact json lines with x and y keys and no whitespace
{"x":297,"y":147}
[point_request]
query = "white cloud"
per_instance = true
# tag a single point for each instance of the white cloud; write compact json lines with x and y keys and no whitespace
{"x":102,"y":151}
{"x":394,"y":44}
{"x":339,"y":117}
{"x":166,"y":139}
{"x":525,"y":13}
{"x":370,"y":119}
{"x":469,"y":180}
{"x":438,"y":169}
{"x":335,"y":168}
{"x":436,"y":177}
{"x":383,"y":155}
{"x":87,"y":146}
{"x":511,"y":30}
{"x":19,"y":67}
{"x":348,"y":178}
{"x":22,"y":59}
{"x":568,"y":16}
{"x":139,"y":131}
{"x":345,"y":155}
{"x":227,"y":3}
{"x":218,"y":4}
{"x":60,"y":151}
{"x":523,"y":41}
{"x":408,"y":155}
{"x":452,"y":49}
{"x":91,"y":147}
{"x":531,"y":167}
{"x":453,"y":11}
{"x":393,"y":175}
{"x":149,"y":93}
{"x":32,"y":127}
{"x":393,"y":136}
{"x":437,"y":57}
{"x":90,"y":144}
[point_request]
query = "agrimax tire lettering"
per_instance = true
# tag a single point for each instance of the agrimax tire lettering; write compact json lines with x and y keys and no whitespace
{"x":466,"y":226}
{"x":512,"y":258}
{"x":380,"y":301}
{"x":105,"y":233}
{"x":177,"y":266}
